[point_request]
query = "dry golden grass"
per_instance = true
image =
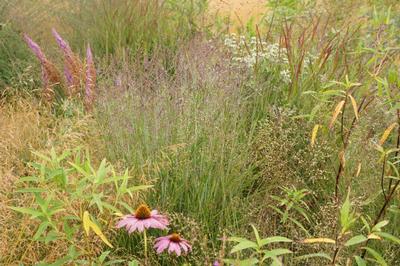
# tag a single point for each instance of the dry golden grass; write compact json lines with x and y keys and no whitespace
{"x":28,"y":125}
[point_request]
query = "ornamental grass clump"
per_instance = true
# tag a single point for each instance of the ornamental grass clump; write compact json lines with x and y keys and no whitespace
{"x":76,"y":73}
{"x":50,"y":74}
{"x":73,"y":68}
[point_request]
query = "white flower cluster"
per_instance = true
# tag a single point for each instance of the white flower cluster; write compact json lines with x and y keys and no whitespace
{"x":249,"y":51}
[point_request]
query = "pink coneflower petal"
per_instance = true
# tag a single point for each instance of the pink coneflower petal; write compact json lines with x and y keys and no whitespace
{"x":174,"y":243}
{"x":143,"y":219}
{"x":174,"y":247}
{"x":161,"y":245}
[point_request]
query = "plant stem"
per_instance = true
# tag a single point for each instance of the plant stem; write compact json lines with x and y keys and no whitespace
{"x":145,"y":245}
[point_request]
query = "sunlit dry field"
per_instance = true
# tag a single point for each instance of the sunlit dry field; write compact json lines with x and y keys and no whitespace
{"x":199,"y":132}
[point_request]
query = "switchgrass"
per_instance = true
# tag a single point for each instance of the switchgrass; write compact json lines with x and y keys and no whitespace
{"x":184,"y":133}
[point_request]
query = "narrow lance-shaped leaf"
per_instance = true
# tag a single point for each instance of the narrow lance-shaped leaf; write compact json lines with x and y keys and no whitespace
{"x":314,"y":134}
{"x":354,"y":104}
{"x":318,"y":240}
{"x":387,"y":133}
{"x":335,"y":114}
{"x":88,"y":224}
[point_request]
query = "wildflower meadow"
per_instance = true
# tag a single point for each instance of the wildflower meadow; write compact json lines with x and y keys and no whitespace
{"x":200,"y":132}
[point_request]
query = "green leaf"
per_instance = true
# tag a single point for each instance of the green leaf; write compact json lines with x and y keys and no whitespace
{"x":275,"y":253}
{"x":101,"y":172}
{"x":51,"y":236}
{"x":42,"y":227}
{"x":274,"y":239}
{"x":360,"y":261}
{"x":31,"y":190}
{"x":257,"y":235}
{"x":246,"y":262}
{"x":237,"y":239}
{"x":376,"y":255}
{"x":345,"y":211}
{"x":103,"y":256}
{"x":133,"y":263}
{"x":23,"y":210}
{"x":27,"y":179}
{"x":355,"y":240}
{"x":379,"y":226}
{"x":389,"y":237}
{"x":244,"y":245}
{"x":314,"y":255}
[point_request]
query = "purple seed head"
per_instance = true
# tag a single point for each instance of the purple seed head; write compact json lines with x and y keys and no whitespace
{"x":35,"y":48}
{"x":62,"y":43}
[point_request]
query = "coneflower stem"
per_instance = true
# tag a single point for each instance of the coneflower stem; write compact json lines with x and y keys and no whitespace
{"x":145,"y":245}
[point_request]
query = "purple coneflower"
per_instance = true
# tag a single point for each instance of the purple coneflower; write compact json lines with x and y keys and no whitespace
{"x":216,"y":263}
{"x":143,"y":219}
{"x":174,"y":243}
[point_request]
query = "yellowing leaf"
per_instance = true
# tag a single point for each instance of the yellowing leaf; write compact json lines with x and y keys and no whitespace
{"x":387,"y":133}
{"x":354,"y":104}
{"x":342,"y":158}
{"x":358,"y":170}
{"x":98,"y":232}
{"x":314,"y":134}
{"x":335,"y":114}
{"x":374,"y":236}
{"x":88,"y":224}
{"x":318,"y":240}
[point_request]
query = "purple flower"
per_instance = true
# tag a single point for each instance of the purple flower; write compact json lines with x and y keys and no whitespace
{"x":35,"y":48}
{"x":216,"y":263}
{"x":73,"y":70}
{"x":90,"y":82}
{"x":174,"y":243}
{"x":143,"y":219}
{"x":50,"y":75}
{"x":63,"y":44}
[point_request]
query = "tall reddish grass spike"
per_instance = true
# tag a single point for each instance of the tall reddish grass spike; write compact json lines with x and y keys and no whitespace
{"x":61,"y":42}
{"x":73,"y":69}
{"x":35,"y":48}
{"x":90,"y":82}
{"x":50,"y":74}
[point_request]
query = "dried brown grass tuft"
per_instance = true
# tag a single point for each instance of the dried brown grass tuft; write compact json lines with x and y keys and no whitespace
{"x":28,"y":125}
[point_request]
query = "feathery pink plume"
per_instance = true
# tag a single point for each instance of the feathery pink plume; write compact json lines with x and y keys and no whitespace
{"x":35,"y":48}
{"x":90,"y":83}
{"x":50,"y":75}
{"x":73,"y":69}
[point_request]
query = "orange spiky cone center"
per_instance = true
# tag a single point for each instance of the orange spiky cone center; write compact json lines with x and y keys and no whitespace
{"x":175,"y":238}
{"x":143,"y":212}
